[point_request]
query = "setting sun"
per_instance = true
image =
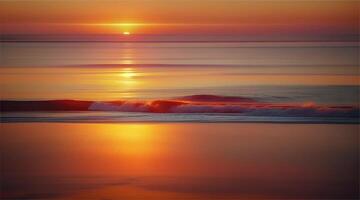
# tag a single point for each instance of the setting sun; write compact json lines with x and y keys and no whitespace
{"x":126,"y":33}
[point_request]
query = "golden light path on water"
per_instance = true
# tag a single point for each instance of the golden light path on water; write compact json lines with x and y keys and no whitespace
{"x":128,"y":81}
{"x":137,"y":81}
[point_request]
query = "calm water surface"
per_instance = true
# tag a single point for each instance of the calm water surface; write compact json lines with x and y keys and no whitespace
{"x":324,"y":72}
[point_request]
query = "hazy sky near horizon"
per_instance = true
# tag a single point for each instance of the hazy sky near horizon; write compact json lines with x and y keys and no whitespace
{"x":336,"y":18}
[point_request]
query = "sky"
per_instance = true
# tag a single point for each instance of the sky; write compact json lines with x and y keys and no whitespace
{"x":298,"y":19}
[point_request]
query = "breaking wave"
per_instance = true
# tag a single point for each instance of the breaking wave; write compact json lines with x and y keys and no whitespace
{"x":191,"y":104}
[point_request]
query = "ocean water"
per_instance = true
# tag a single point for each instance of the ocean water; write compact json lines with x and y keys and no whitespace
{"x":286,"y":81}
{"x":191,"y":53}
{"x":151,"y":120}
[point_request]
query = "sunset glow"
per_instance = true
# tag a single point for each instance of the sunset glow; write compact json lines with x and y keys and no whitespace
{"x":159,"y":17}
{"x":179,"y":99}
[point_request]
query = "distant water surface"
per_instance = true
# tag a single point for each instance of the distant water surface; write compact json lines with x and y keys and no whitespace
{"x":284,"y":71}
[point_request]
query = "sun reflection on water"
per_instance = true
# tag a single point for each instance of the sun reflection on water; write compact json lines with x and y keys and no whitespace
{"x":138,"y":146}
{"x":128,"y":73}
{"x":127,"y":80}
{"x":137,"y":139}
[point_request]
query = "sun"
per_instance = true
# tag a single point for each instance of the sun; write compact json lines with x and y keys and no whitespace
{"x":126,"y":33}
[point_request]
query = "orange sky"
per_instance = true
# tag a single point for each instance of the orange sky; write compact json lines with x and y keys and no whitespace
{"x":163,"y":17}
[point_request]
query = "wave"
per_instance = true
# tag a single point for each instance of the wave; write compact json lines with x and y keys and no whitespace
{"x":237,"y":105}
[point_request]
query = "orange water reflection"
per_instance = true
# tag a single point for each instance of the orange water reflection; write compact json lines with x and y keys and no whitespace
{"x":179,"y":161}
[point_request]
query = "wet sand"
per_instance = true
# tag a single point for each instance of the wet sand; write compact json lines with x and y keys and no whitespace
{"x":179,"y":161}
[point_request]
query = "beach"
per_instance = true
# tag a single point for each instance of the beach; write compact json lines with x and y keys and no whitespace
{"x":179,"y":161}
